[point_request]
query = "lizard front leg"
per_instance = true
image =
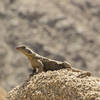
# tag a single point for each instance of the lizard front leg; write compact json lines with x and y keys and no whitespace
{"x":39,"y":67}
{"x":33,"y":73}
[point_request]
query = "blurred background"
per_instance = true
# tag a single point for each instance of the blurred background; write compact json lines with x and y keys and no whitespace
{"x":58,"y":29}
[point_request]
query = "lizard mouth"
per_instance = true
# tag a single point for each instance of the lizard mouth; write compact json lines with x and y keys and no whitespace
{"x":18,"y":48}
{"x":21,"y":50}
{"x":24,"y":50}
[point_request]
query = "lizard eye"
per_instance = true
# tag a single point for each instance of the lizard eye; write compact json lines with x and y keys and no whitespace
{"x":23,"y":47}
{"x":28,"y":51}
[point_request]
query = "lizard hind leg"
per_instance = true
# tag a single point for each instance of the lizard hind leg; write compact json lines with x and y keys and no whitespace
{"x":66,"y":64}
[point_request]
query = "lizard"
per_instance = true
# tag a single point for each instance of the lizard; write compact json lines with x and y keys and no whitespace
{"x":40,"y":63}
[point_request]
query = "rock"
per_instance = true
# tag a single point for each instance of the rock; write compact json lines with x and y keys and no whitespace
{"x":57,"y":85}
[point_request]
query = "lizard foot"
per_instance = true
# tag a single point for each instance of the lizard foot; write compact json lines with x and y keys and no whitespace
{"x":33,"y":73}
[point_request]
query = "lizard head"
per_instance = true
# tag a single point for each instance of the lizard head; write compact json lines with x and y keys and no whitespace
{"x":25,"y":50}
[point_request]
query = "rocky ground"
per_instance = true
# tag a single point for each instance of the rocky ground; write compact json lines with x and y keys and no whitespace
{"x":57,"y":85}
{"x":58,"y":29}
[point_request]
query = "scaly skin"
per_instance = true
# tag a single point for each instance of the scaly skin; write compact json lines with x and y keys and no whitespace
{"x":40,"y":63}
